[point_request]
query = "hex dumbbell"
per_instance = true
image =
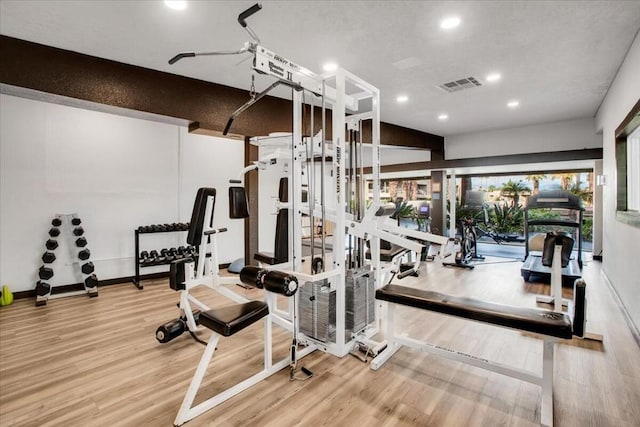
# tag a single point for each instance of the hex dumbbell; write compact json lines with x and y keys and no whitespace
{"x":45,"y":273}
{"x":54,"y":232}
{"x":48,"y":257}
{"x":51,"y":244}
{"x":76,"y":221}
{"x":87,"y":267}
{"x":78,"y":231}
{"x":42,"y":288}
{"x":84,"y":254}
{"x":81,"y":242}
{"x":91,"y":281}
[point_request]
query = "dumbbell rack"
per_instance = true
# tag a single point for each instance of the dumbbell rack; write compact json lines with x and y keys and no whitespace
{"x":66,"y":226}
{"x":149,"y":229}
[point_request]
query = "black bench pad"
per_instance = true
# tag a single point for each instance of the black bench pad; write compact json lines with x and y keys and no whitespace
{"x":388,"y":254}
{"x":228,"y":320}
{"x":525,"y":319}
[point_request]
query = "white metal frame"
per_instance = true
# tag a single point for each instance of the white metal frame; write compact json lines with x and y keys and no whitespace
{"x":395,"y":342}
{"x":188,"y":411}
{"x":555,"y":297}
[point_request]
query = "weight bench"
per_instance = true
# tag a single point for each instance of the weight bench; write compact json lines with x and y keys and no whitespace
{"x":551,"y":325}
{"x":226,"y":322}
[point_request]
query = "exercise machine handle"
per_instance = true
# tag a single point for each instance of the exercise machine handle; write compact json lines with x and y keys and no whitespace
{"x":247,"y":13}
{"x":405,"y":273}
{"x":218,"y":230}
{"x":180,"y":56}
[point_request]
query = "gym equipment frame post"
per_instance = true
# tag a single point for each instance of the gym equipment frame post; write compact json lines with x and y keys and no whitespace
{"x":555,"y":297}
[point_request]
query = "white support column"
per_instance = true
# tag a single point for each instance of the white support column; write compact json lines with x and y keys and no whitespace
{"x":268,"y":348}
{"x":556,"y":278}
{"x":338,"y":131}
{"x":295,"y":185}
{"x":546,"y":410}
{"x":375,"y":161}
{"x":452,"y":204}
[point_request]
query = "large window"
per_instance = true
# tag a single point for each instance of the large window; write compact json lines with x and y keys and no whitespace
{"x":628,"y":168}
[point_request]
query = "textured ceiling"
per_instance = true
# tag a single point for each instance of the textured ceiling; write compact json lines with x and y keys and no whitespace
{"x":556,"y":58}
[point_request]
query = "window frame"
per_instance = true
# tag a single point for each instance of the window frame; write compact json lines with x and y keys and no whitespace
{"x":622,"y":132}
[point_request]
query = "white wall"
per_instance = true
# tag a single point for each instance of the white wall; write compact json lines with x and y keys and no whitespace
{"x":211,"y":162}
{"x":558,"y":136}
{"x":116,"y":172}
{"x":621,"y":242}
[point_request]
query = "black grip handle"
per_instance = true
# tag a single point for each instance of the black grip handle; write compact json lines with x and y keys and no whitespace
{"x":247,"y":13}
{"x":180,"y":56}
{"x":405,"y":274}
{"x":227,"y":127}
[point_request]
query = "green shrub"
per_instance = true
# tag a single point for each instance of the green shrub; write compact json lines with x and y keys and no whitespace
{"x":508,"y":219}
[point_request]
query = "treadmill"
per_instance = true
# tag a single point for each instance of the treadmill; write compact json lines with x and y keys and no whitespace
{"x":558,"y":200}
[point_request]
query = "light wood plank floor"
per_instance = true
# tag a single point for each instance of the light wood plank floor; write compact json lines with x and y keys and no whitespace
{"x":95,"y":362}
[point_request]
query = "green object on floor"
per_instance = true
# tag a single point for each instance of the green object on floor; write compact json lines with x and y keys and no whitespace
{"x":7,"y":296}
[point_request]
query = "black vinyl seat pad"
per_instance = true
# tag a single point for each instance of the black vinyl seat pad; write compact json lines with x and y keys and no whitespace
{"x":227,"y":321}
{"x":526,"y":319}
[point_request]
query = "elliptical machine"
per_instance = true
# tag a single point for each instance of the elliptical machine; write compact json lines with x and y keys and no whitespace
{"x":468,"y":249}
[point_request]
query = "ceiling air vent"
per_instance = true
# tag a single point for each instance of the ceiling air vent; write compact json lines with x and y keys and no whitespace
{"x":461,"y":84}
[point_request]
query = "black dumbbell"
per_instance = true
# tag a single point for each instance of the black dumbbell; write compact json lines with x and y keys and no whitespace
{"x":87,"y":267}
{"x":182,"y":250}
{"x":51,"y":244}
{"x":81,"y":242}
{"x":48,"y":257}
{"x":144,"y":258}
{"x":168,"y":257}
{"x":78,"y":231}
{"x":76,"y":221}
{"x":42,"y":288}
{"x":54,"y":232}
{"x":45,"y":273}
{"x":84,"y":254}
{"x":157,"y":258}
{"x":56,"y":222}
{"x":91,"y":281}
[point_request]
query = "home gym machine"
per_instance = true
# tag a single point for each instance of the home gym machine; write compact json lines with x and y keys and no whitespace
{"x":334,"y":309}
{"x":565,"y":203}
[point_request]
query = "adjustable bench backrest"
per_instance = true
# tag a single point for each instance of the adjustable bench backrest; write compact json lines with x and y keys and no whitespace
{"x":281,"y":244}
{"x":526,"y":319}
{"x":196,"y":226}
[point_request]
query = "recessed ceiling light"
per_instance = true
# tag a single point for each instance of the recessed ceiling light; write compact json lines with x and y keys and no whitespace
{"x":513,"y":104}
{"x":450,"y":22}
{"x":402,"y":98}
{"x":176,"y":4}
{"x":493,"y":77}
{"x":330,"y":66}
{"x":443,"y":117}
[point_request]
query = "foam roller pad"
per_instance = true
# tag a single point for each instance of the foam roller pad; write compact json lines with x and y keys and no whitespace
{"x":280,"y":283}
{"x":252,"y":275}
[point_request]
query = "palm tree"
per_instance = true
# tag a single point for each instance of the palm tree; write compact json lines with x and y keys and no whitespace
{"x":565,"y":179}
{"x":514,"y":190}
{"x":536,"y":178}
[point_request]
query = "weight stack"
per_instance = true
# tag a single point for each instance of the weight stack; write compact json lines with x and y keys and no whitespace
{"x":317,"y":311}
{"x":360,"y":300}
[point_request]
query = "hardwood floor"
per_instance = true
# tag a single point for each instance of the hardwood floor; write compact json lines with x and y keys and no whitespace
{"x":95,"y":362}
